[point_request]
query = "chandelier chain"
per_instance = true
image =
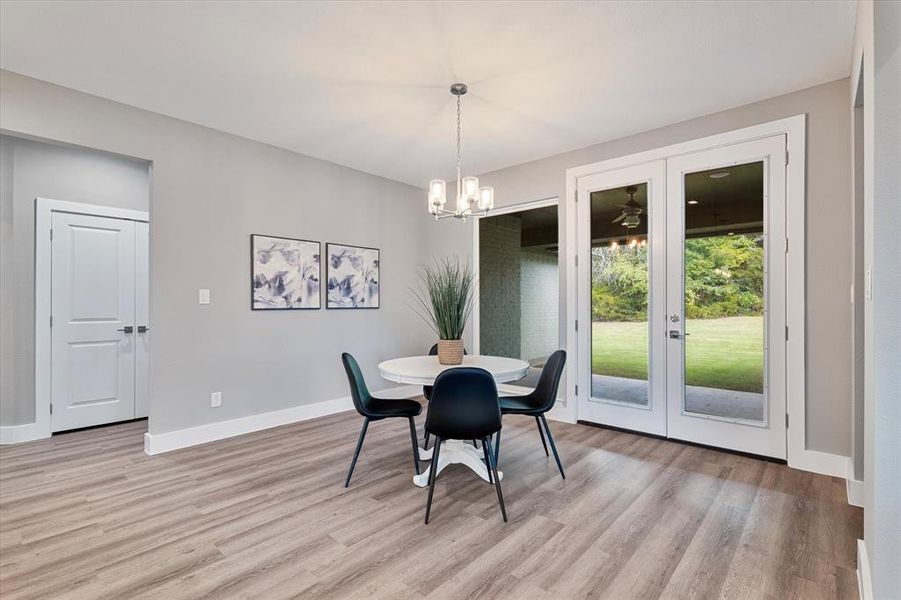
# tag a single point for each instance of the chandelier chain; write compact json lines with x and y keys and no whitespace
{"x":459,"y":155}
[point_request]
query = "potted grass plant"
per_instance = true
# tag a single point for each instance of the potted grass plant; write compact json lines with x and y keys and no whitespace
{"x":444,"y":301}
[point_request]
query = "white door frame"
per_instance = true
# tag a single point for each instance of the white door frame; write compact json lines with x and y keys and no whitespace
{"x":474,"y":318}
{"x":44,"y":209}
{"x":795,"y":130}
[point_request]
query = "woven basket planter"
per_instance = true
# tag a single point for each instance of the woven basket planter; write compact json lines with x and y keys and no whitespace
{"x":450,"y":352}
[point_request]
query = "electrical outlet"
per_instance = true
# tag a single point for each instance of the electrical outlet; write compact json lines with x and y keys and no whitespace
{"x":203,"y":296}
{"x":215,"y":399}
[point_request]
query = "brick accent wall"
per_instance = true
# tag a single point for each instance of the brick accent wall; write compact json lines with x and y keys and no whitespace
{"x":499,"y":286}
{"x":540,"y":308}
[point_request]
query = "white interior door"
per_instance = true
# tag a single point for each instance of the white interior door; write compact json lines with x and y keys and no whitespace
{"x":726,"y":320}
{"x":622,"y":360}
{"x":93,"y":316}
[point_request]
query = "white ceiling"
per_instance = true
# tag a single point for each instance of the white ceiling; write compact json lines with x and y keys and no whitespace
{"x":365,"y":84}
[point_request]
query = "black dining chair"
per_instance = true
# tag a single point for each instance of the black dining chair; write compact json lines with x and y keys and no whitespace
{"x":427,"y":393}
{"x":376,"y":409}
{"x":537,"y":403}
{"x":464,"y":406}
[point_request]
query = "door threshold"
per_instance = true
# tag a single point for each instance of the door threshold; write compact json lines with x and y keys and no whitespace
{"x":89,"y":427}
{"x":686,"y":442}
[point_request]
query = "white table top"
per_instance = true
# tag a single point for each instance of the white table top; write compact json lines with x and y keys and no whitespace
{"x":422,"y":370}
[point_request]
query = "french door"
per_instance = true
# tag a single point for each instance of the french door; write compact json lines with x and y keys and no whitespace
{"x":684,"y":300}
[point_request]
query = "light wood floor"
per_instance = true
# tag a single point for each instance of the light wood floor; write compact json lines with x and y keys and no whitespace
{"x":89,"y":515}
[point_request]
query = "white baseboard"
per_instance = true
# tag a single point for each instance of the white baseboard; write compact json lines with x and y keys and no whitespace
{"x":16,"y":434}
{"x":854,"y":486}
{"x":824,"y":463}
{"x":202,"y":434}
{"x":864,"y":583}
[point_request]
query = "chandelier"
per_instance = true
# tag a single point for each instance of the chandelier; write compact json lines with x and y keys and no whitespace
{"x":472,"y":200}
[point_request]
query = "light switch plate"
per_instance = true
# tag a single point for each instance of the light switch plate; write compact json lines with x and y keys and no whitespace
{"x":215,"y":399}
{"x":203,"y":296}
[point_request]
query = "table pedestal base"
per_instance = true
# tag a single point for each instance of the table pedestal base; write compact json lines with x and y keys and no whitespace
{"x":454,"y":452}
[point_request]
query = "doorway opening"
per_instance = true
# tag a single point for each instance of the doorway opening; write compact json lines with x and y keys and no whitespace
{"x":81,"y":271}
{"x":519,"y":275}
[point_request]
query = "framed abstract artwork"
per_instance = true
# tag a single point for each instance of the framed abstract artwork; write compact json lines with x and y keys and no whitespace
{"x":352,"y":275}
{"x":284,"y":273}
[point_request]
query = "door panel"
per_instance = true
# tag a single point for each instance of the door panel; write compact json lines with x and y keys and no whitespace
{"x":726,"y":297}
{"x":624,"y":365}
{"x":93,"y":287}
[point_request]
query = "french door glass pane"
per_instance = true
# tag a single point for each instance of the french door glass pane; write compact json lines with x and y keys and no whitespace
{"x":619,"y":295}
{"x":724,"y":295}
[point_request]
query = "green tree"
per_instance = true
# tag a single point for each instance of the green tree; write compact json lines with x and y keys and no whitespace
{"x":723,"y":278}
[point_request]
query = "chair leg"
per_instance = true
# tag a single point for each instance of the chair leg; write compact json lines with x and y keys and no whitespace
{"x":497,"y":483}
{"x":550,"y":438}
{"x":353,"y":463}
{"x":432,"y":475}
{"x":487,"y":462}
{"x":425,"y":442}
{"x":541,"y":433}
{"x":497,"y":446}
{"x":415,"y":445}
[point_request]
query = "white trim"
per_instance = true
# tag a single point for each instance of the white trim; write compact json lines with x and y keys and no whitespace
{"x":202,"y":434}
{"x":44,"y":209}
{"x":16,"y":434}
{"x":864,"y":581}
{"x":854,"y":486}
{"x":505,"y":210}
{"x":795,"y":130}
{"x":824,"y":463}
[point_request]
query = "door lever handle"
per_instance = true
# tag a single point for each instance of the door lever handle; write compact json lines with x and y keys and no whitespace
{"x":127,"y":329}
{"x":675,"y":334}
{"x":143,"y":329}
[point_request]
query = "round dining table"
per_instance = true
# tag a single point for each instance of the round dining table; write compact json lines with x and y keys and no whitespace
{"x":423,"y":370}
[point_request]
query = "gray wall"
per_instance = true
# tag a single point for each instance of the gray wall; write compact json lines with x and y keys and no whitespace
{"x":540,"y":319}
{"x":828,"y":230}
{"x":32,"y":169}
{"x":882,"y":509}
{"x":210,"y":191}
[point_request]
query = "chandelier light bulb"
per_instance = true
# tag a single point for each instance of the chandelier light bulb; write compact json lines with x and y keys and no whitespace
{"x":486,"y":198}
{"x":437,"y":195}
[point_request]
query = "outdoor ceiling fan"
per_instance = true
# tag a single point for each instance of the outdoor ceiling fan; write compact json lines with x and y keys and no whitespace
{"x":631,"y":210}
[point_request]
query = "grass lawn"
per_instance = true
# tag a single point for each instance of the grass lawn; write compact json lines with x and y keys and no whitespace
{"x":720,"y":353}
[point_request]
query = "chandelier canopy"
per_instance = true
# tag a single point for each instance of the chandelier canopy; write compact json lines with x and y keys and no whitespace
{"x":472,"y":200}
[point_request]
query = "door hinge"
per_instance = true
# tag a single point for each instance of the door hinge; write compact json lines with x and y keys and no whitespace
{"x":577,"y":389}
{"x":786,"y":333}
{"x":577,"y":260}
{"x":786,"y":158}
{"x":576,"y":196}
{"x":786,"y":420}
{"x":786,"y":245}
{"x":51,"y":409}
{"x":51,"y":235}
{"x":577,"y":324}
{"x":51,"y":320}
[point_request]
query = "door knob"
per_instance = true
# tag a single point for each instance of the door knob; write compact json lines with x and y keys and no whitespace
{"x":127,"y":329}
{"x":143,"y":329}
